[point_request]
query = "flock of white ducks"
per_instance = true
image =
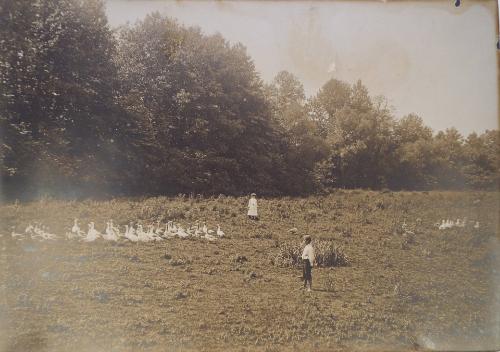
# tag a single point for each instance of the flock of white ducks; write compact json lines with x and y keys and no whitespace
{"x":112,"y":233}
{"x":460,"y":223}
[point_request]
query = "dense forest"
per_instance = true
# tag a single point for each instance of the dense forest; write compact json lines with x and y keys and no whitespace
{"x":159,"y":108}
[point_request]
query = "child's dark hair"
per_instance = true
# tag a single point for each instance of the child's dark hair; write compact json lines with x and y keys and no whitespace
{"x":307,"y":239}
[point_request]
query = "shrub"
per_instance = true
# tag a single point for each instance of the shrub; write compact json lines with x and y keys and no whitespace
{"x":327,"y":254}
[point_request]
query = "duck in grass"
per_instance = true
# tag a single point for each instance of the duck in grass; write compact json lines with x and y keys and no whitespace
{"x":92,"y":233}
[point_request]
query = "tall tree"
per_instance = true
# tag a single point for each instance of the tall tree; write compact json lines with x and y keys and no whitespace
{"x":203,"y":109}
{"x":304,"y":145}
{"x":448,"y":159}
{"x":58,"y":79}
{"x":482,"y":160}
{"x":412,"y":155}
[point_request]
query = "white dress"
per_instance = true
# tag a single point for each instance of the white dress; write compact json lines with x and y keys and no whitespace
{"x":252,"y":207}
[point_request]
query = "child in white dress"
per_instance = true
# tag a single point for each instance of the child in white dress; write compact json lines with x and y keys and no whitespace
{"x":252,"y":207}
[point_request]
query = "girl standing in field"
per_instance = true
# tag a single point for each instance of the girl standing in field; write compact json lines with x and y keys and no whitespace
{"x":308,"y":259}
{"x":252,"y":207}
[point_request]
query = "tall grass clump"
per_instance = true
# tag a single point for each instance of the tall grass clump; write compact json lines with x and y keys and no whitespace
{"x":327,"y":254}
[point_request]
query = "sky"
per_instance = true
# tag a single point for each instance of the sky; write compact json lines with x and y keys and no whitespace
{"x":430,"y":58}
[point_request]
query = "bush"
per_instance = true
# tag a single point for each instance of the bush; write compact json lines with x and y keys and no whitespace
{"x":327,"y":254}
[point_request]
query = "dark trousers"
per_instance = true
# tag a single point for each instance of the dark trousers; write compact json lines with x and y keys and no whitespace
{"x":307,"y":273}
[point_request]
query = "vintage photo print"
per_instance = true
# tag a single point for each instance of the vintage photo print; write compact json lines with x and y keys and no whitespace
{"x":249,"y":175}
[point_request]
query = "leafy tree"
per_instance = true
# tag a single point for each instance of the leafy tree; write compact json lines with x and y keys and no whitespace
{"x":482,"y":161}
{"x":448,"y":159}
{"x":413,"y":156}
{"x":203,"y":109}
{"x":58,"y":84}
{"x":359,"y":134}
{"x":332,"y":97}
{"x":304,"y":146}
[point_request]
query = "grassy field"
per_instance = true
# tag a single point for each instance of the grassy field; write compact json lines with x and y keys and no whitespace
{"x":438,"y":290}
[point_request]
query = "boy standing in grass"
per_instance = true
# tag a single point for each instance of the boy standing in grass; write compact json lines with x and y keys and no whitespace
{"x":308,"y":259}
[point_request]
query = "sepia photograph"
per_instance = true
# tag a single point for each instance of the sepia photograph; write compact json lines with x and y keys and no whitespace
{"x":254,"y":175}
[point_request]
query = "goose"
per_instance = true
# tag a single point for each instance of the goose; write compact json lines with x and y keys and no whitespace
{"x":152,"y":234}
{"x":130,"y":233}
{"x":159,"y":229}
{"x":181,"y":233}
{"x":92,"y":234}
{"x":449,"y":224}
{"x":209,"y":237}
{"x":197,"y":231}
{"x":29,"y":229}
{"x":464,"y":222}
{"x":37,"y":233}
{"x":75,"y":231}
{"x":75,"y":228}
{"x":220,"y":233}
{"x":49,"y":236}
{"x":443,"y":225}
{"x":16,"y":236}
{"x":169,"y":231}
{"x":46,"y":235}
{"x":115,"y":229}
{"x":110,"y":234}
{"x":142,"y":236}
{"x":71,"y":235}
{"x":206,"y":230}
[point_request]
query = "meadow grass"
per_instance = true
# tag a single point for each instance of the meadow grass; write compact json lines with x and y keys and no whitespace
{"x":437,"y":289}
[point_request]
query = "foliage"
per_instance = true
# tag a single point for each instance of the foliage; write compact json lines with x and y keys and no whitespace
{"x":327,"y":254}
{"x":160,"y":108}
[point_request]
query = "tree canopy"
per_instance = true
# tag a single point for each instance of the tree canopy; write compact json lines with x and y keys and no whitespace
{"x":161,"y":108}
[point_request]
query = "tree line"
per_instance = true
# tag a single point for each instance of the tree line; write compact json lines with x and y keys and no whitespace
{"x":160,"y":108}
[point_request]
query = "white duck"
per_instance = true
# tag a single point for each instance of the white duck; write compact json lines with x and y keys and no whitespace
{"x":143,"y":236}
{"x":47,"y":235}
{"x":75,"y":229}
{"x":443,"y":225}
{"x":220,"y":233}
{"x":115,"y":229}
{"x":196,"y":230}
{"x":168,"y":233}
{"x":29,"y":229}
{"x":476,"y":225}
{"x":159,"y":229}
{"x":152,"y":234}
{"x":110,"y":234}
{"x":209,"y":237}
{"x":206,"y":231}
{"x":181,"y":233}
{"x":16,"y":236}
{"x":130,"y":234}
{"x":464,"y":222}
{"x":92,"y":234}
{"x":37,"y":233}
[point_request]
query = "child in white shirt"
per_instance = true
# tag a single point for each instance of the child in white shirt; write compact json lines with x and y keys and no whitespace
{"x":308,"y":259}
